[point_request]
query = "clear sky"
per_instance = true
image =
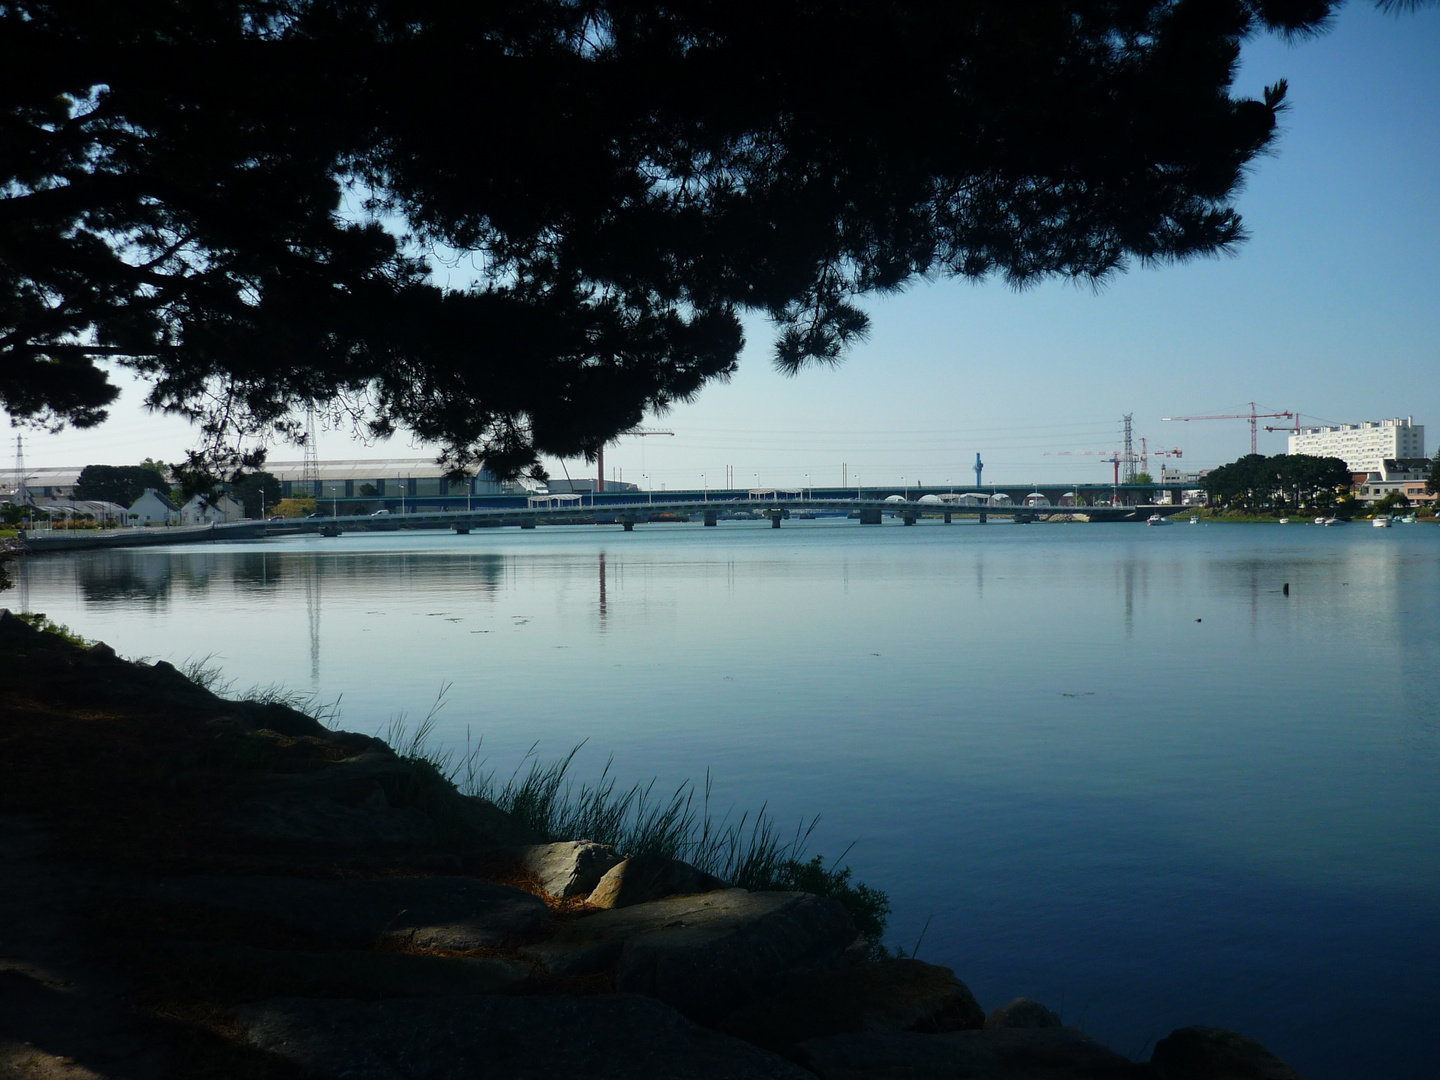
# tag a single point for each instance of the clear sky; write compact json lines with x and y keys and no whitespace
{"x":1332,"y":309}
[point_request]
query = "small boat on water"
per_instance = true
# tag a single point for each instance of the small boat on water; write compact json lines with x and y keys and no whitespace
{"x":1381,"y":523}
{"x":1320,"y":521}
{"x":1331,"y":521}
{"x":1157,"y":519}
{"x":1284,"y":521}
{"x":1408,"y":519}
{"x":1194,"y":519}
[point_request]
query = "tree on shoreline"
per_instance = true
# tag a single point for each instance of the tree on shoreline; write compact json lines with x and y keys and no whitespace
{"x":121,"y":484}
{"x":1257,"y":482}
{"x":243,"y":200}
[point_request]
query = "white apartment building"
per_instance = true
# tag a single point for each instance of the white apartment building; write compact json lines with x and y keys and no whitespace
{"x":1363,"y":446}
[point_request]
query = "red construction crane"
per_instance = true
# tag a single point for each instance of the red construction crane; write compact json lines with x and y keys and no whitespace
{"x":1252,"y":416}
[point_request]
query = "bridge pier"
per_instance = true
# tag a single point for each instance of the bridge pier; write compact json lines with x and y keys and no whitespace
{"x":982,"y":517}
{"x":710,"y":518}
{"x":527,"y":523}
{"x":329,"y":530}
{"x":628,"y":524}
{"x":869,"y":516}
{"x":947,"y":518}
{"x":775,"y":516}
{"x":462,"y":530}
{"x":909,"y":519}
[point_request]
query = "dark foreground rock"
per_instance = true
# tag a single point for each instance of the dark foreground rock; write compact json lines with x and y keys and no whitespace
{"x":1023,"y":1013}
{"x":888,"y":995}
{"x":348,"y":973}
{"x":995,"y":1054}
{"x":642,"y":878}
{"x":440,"y":912}
{"x":569,"y":868}
{"x":374,"y":798}
{"x":610,"y":1037}
{"x":706,"y":954}
{"x":1205,"y":1053}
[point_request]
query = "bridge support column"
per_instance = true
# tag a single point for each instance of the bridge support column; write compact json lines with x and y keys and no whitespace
{"x":947,"y":519}
{"x":329,"y":530}
{"x":462,"y":530}
{"x":710,"y":517}
{"x":527,"y":523}
{"x":909,"y":519}
{"x":982,"y":517}
{"x":870,"y":517}
{"x":628,"y":524}
{"x":775,"y":519}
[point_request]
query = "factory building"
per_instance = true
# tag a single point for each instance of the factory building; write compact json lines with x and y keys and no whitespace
{"x":1364,"y":447}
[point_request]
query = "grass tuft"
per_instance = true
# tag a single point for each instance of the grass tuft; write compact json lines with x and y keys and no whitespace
{"x":749,"y":851}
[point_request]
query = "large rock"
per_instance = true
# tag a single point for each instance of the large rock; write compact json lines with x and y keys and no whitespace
{"x":374,"y":798}
{"x":312,"y":817}
{"x":889,"y":995}
{"x":1206,"y":1053}
{"x":608,"y":1037}
{"x":346,"y":972}
{"x":1023,"y":1013}
{"x":642,"y":878}
{"x":440,"y":912}
{"x":706,"y":954}
{"x":995,"y":1054}
{"x":569,"y":868}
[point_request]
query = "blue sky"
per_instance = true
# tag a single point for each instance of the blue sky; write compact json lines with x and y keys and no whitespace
{"x":1332,"y":309}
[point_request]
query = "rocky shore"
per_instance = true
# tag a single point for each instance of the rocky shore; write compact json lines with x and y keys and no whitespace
{"x":196,"y":887}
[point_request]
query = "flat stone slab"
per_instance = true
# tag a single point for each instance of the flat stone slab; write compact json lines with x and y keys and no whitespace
{"x":350,"y":973}
{"x":436,"y":912}
{"x":606,"y":1037}
{"x":994,"y":1054}
{"x":705,"y":954}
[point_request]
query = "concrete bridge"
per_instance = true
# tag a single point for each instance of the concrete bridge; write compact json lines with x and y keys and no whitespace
{"x":624,"y":509}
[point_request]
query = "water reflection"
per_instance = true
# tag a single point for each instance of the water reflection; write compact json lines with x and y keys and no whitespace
{"x":1028,"y":723}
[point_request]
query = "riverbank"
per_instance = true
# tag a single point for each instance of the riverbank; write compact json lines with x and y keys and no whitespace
{"x":1273,"y":518}
{"x":193,"y":886}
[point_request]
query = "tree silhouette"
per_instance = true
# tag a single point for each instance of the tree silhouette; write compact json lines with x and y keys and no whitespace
{"x":243,"y":200}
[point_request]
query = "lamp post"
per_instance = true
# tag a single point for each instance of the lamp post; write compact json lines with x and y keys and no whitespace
{"x":807,"y":480}
{"x":906,"y":487}
{"x":857,"y":487}
{"x":704,"y":489}
{"x":646,"y":478}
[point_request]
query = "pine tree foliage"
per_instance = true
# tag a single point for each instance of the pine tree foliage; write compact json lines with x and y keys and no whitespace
{"x":244,"y":200}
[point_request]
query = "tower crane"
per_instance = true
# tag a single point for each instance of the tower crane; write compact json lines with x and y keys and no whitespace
{"x":600,"y":451}
{"x":1252,"y":416}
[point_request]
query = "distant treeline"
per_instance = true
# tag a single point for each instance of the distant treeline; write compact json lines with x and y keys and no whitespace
{"x":123,"y":484}
{"x":1258,"y":482}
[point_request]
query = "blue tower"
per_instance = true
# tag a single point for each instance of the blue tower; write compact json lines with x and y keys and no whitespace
{"x":979,"y":465}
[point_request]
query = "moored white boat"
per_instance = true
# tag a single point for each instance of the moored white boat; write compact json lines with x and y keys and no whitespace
{"x":1156,"y":519}
{"x":1194,"y":519}
{"x":1331,"y":521}
{"x":1381,"y":523}
{"x":1284,"y":521}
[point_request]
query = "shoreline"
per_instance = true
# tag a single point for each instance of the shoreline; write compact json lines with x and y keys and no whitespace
{"x":230,"y":883}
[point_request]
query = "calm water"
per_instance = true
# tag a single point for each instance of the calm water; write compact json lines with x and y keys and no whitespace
{"x":1112,"y":767}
